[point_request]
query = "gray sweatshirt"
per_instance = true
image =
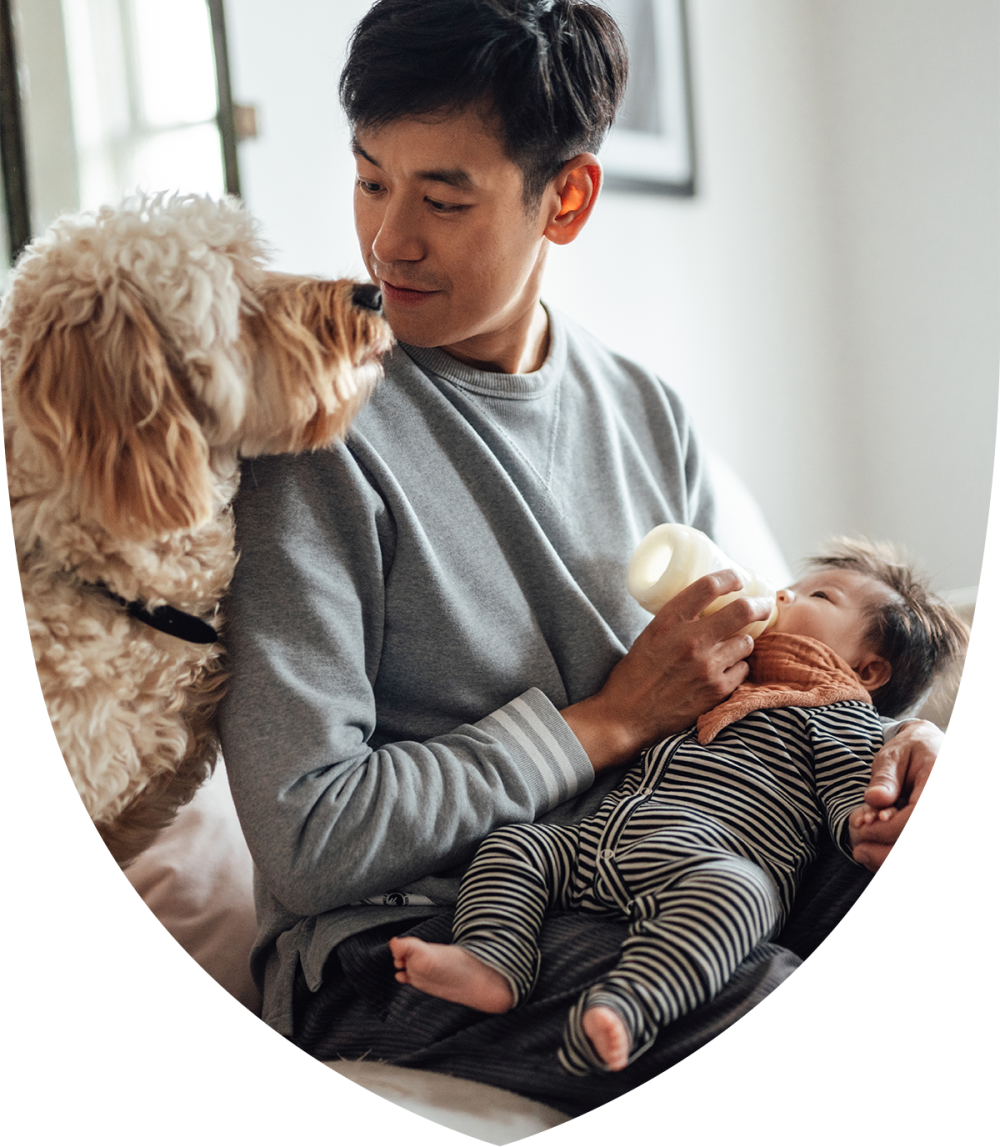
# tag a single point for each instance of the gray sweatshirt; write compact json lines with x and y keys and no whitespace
{"x":409,"y":613}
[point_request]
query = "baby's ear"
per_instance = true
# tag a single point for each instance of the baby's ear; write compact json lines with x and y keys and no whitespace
{"x":874,"y":671}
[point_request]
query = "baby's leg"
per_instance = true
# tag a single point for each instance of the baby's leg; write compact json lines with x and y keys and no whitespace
{"x":520,"y":872}
{"x":450,"y":973}
{"x":684,"y":944}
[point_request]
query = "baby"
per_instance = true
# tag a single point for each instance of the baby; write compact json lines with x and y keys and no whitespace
{"x":703,"y":844}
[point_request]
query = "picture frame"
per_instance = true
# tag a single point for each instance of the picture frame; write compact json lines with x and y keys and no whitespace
{"x":651,"y":147}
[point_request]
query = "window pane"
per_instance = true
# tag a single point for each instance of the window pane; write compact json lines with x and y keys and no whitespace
{"x":174,"y":61}
{"x":188,"y":159}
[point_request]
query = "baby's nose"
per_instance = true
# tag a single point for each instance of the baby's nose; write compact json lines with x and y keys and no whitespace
{"x":786,"y":596}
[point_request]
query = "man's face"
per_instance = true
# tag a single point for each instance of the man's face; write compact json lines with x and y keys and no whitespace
{"x":443,"y":230}
{"x":830,"y":606}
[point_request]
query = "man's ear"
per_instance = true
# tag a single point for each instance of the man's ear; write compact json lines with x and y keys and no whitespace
{"x":874,"y":671}
{"x":576,"y":188}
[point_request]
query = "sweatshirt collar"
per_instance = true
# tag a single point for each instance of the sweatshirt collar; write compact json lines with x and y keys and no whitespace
{"x":497,"y":385}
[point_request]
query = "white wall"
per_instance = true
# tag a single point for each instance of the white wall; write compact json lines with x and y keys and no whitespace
{"x":826,"y":304}
{"x":911,"y":112}
{"x":298,"y":176}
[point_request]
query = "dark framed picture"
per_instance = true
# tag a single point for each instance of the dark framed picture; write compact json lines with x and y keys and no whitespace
{"x":651,"y":147}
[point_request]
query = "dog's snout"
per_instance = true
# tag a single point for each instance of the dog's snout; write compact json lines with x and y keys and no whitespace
{"x":367,"y":296}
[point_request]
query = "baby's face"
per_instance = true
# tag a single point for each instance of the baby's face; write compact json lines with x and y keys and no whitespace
{"x":830,"y":606}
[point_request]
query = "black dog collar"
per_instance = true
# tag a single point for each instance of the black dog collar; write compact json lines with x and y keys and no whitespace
{"x":168,"y":620}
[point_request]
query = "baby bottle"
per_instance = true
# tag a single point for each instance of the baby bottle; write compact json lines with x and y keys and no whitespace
{"x":670,"y":557}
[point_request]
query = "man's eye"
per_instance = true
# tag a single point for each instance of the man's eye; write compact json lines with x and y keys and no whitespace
{"x":369,"y":186}
{"x":445,"y":208}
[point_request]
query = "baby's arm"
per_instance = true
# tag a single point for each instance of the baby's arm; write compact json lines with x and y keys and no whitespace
{"x":845,"y":739}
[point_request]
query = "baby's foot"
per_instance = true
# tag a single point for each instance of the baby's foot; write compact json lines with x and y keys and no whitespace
{"x":450,"y":973}
{"x":606,"y":1030}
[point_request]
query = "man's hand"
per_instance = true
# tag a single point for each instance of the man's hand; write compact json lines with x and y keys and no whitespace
{"x":681,"y":665}
{"x":899,"y":773}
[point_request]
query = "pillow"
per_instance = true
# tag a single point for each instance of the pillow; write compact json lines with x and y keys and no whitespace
{"x":197,"y":879}
{"x":740,"y":528}
{"x":938,"y":704}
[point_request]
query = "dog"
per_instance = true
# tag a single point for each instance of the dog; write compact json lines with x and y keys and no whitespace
{"x":144,"y":350}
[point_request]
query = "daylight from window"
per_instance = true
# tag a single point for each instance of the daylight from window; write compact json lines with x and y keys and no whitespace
{"x":142,"y":77}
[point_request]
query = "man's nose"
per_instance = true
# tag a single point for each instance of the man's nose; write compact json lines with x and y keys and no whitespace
{"x":398,"y":239}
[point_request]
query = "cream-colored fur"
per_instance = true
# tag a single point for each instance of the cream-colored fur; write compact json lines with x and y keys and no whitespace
{"x":143,"y":351}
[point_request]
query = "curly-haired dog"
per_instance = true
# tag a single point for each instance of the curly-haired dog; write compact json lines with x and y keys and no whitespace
{"x":144,"y":351}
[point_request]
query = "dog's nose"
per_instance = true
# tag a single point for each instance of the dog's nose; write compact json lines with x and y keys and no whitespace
{"x":367,"y":296}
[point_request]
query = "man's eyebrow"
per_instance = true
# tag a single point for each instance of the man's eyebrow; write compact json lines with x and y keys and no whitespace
{"x":359,"y":150}
{"x":453,"y":176}
{"x":456,"y":177}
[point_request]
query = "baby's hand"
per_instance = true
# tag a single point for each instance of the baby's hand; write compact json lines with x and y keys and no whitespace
{"x":863,"y":816}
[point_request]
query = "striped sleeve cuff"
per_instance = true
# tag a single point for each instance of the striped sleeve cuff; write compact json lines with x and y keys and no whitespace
{"x":547,"y":755}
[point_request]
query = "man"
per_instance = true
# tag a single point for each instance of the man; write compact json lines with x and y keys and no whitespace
{"x":429,"y":631}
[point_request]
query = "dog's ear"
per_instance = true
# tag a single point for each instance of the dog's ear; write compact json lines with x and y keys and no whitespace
{"x":115,"y":422}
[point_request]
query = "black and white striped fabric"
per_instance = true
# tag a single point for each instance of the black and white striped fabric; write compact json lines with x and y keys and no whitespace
{"x":701,"y":848}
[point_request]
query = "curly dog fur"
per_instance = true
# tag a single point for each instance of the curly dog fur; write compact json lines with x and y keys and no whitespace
{"x":144,"y":351}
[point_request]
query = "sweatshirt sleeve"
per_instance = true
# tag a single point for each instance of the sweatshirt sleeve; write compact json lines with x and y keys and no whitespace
{"x":333,"y":809}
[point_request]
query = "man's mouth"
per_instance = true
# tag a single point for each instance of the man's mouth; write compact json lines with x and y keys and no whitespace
{"x":408,"y":296}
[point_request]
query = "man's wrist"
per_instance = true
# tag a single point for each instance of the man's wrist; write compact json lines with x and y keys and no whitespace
{"x":606,"y":742}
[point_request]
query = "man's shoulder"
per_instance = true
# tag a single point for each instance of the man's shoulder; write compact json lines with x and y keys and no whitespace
{"x":587,"y":353}
{"x":583,"y":341}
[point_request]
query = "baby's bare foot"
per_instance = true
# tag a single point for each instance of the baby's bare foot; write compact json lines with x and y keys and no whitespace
{"x":450,"y":973}
{"x":606,"y":1030}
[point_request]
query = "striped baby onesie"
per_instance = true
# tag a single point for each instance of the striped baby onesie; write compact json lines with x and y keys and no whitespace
{"x":701,"y":848}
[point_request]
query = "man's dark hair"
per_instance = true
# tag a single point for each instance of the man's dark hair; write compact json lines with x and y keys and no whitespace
{"x":916,"y":631}
{"x":553,"y":73}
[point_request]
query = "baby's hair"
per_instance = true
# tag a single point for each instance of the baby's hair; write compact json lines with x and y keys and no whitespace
{"x":916,"y":631}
